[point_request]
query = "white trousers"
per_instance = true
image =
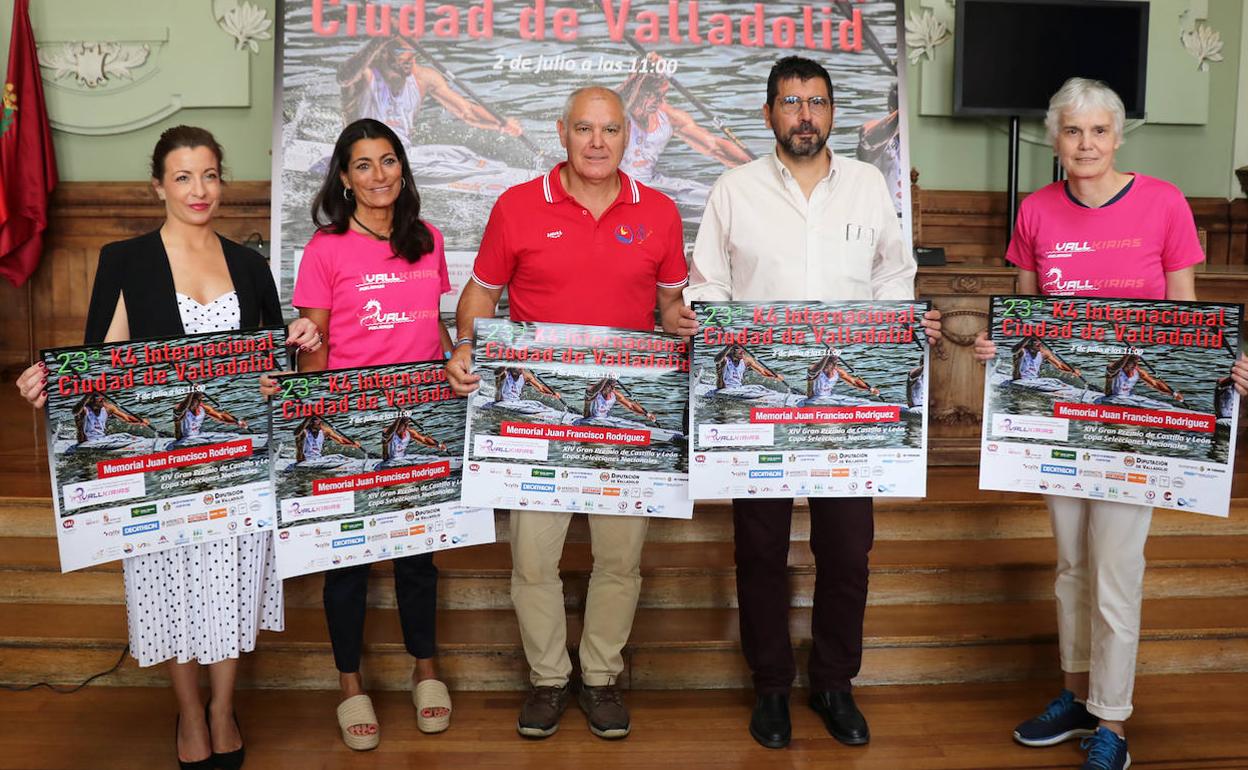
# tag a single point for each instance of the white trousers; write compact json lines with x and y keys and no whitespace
{"x":1099,"y":587}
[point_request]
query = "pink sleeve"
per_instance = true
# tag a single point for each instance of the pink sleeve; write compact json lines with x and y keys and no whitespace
{"x":1182,"y":246}
{"x":439,"y":253}
{"x":1021,"y":252}
{"x":314,"y":286}
{"x":495,"y":262}
{"x":673,"y":271}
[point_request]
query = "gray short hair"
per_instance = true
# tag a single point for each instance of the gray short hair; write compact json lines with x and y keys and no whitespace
{"x":1079,"y":95}
{"x":609,"y":92}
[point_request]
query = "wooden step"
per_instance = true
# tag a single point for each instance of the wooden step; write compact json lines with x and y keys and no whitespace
{"x":1180,"y":723}
{"x":979,"y":518}
{"x":702,"y":574}
{"x":669,"y":649}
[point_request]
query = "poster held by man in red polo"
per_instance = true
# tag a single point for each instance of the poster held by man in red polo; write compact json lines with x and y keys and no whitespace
{"x":27,"y":163}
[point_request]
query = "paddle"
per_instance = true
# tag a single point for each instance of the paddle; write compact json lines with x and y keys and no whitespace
{"x":364,"y":465}
{"x":629,"y":393}
{"x":553,"y":393}
{"x":872,"y":41}
{"x":847,"y":364}
{"x":1170,"y":395}
{"x":695,"y":101}
{"x":471,"y":94}
{"x":1073,"y":370}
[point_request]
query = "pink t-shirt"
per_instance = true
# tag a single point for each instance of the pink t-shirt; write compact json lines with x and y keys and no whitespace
{"x":1121,"y":250}
{"x":382,"y":308}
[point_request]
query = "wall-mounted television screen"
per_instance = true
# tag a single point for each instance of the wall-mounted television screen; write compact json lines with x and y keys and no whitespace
{"x":1012,"y":55}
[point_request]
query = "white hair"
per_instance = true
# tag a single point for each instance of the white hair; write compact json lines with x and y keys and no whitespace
{"x":1079,"y":95}
{"x":605,"y":91}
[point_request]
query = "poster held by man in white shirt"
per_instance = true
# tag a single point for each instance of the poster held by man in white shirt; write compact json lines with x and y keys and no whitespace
{"x":790,"y":399}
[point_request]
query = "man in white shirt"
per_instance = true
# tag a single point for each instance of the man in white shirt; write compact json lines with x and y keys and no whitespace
{"x":802,"y":224}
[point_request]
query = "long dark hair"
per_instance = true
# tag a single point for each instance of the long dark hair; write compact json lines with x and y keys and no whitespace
{"x":409,"y":237}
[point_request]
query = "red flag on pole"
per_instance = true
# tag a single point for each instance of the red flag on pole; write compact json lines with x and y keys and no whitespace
{"x":27,"y":165}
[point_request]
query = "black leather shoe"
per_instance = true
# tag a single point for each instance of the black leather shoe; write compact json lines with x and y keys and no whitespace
{"x":230,"y":760}
{"x":769,"y":724}
{"x":842,"y":718}
{"x":199,"y":764}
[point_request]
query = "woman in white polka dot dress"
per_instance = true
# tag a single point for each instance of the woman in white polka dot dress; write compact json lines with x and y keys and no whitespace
{"x":200,"y":604}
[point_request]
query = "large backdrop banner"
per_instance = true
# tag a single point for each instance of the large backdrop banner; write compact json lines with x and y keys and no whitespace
{"x":474,"y":90}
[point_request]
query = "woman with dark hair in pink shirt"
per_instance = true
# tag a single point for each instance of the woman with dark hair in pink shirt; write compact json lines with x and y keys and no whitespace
{"x":1110,"y":234}
{"x":370,"y":279}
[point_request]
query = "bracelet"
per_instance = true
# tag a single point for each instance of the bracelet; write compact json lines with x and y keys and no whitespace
{"x":463,"y":341}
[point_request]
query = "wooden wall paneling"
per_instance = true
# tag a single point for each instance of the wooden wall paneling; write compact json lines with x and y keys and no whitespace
{"x":1238,"y":240}
{"x":1213,"y":215}
{"x":51,"y":309}
{"x":956,"y":389}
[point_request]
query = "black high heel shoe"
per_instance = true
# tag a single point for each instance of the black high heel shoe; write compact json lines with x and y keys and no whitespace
{"x":202,"y":764}
{"x":230,"y":760}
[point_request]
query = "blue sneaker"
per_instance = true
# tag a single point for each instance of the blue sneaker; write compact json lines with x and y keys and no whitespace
{"x":1106,"y":751}
{"x":1062,"y":720}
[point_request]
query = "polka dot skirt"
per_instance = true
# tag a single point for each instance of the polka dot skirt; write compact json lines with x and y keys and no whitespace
{"x":203,"y":602}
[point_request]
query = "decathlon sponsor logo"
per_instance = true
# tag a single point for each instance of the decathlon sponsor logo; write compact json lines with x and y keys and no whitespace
{"x":532,"y":487}
{"x":767,"y":474}
{"x":344,"y":542}
{"x":134,"y":529}
{"x":1059,"y":470}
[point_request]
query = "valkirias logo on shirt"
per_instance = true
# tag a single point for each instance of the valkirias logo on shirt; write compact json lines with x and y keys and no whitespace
{"x":631,"y":236}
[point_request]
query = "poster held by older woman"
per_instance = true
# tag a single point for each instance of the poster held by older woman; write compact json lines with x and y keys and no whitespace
{"x":154,"y":444}
{"x":1109,"y":399}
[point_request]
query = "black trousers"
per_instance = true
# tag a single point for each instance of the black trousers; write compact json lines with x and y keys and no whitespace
{"x":416,"y":592}
{"x":841,"y":533}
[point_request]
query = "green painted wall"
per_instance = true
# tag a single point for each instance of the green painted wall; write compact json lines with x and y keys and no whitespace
{"x":971,"y":154}
{"x":960,"y":154}
{"x":243,"y":131}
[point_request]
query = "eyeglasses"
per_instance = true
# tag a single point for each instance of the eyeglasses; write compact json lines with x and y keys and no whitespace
{"x":791,"y":105}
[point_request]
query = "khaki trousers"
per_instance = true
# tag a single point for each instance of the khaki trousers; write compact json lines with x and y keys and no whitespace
{"x":1099,"y":587}
{"x":537,"y":593}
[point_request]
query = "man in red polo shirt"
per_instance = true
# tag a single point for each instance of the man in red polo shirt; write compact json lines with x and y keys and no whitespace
{"x":583,"y":244}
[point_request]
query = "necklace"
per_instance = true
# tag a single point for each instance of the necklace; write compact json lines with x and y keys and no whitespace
{"x":370,"y":230}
